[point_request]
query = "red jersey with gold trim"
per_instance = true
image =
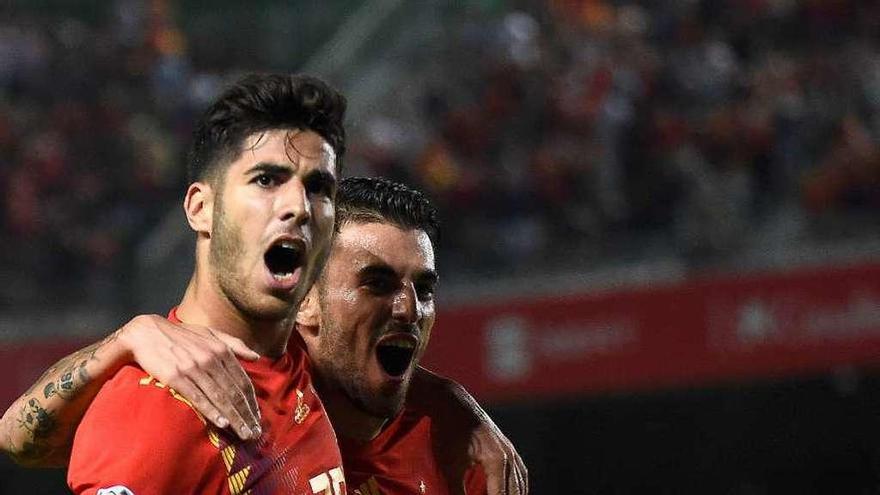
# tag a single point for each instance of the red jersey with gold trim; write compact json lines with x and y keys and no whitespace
{"x":139,"y":437}
{"x":400,"y":461}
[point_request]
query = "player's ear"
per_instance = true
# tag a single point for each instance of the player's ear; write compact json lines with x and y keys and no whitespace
{"x":199,"y":207}
{"x":308,"y":321}
{"x":308,"y":315}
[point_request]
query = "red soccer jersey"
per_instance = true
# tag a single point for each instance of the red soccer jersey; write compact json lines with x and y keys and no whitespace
{"x":138,"y":434}
{"x":400,"y":461}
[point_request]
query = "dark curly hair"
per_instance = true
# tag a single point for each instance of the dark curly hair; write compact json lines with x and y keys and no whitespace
{"x":375,"y":199}
{"x":261,"y":102}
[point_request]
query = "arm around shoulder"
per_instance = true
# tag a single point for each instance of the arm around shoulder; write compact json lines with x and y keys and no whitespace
{"x":465,"y":435}
{"x":37,"y":429}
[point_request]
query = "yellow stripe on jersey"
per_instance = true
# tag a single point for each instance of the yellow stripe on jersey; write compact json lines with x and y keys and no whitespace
{"x":214,"y":438}
{"x":237,"y":481}
{"x":228,"y":455}
{"x":149,"y":380}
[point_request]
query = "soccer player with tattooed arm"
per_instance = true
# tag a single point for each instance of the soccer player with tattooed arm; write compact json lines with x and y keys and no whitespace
{"x":263,"y":173}
{"x":208,"y":382}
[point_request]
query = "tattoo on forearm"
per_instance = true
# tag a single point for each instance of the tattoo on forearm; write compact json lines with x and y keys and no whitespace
{"x":40,"y":423}
{"x":74,"y":373}
{"x":67,"y":378}
{"x":49,"y":390}
{"x":71,"y":373}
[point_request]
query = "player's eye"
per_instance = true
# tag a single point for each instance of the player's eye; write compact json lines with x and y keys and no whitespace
{"x":380,"y":285}
{"x":425,"y":292}
{"x":265,"y":180}
{"x":319,"y":184}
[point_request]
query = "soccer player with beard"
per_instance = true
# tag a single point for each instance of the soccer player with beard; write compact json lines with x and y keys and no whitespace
{"x":263,"y":169}
{"x":366,"y":324}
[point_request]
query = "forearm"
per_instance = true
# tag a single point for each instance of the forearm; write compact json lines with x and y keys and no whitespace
{"x":38,"y":428}
{"x":465,"y":435}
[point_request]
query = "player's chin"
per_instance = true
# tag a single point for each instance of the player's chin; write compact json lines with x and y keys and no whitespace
{"x":280,"y":299}
{"x":388,"y":404}
{"x":274,"y":306}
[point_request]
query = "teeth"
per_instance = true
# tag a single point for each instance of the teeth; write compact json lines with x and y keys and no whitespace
{"x":400,"y":343}
{"x":281,"y":276}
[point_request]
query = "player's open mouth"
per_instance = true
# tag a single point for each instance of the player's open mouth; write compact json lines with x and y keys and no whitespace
{"x":395,"y":353}
{"x":284,"y":257}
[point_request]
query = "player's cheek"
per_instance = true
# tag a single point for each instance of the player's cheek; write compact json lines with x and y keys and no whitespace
{"x":325,"y":216}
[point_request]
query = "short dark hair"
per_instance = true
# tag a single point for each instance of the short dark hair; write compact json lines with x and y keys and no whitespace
{"x":376,"y":199}
{"x":259,"y":102}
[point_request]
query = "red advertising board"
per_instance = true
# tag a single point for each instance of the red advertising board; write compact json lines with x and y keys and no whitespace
{"x":699,"y":332}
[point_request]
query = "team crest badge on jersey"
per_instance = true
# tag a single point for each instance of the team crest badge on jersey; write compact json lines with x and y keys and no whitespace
{"x":302,"y":409}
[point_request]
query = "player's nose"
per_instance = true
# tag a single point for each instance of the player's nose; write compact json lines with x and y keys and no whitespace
{"x":405,"y":307}
{"x":293,"y":203}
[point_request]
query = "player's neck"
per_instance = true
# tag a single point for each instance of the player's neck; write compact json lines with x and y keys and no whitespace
{"x":205,"y":305}
{"x":347,"y":419}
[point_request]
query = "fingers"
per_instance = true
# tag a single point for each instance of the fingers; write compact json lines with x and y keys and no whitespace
{"x":494,"y":462}
{"x":245,"y":400}
{"x":517,"y":485}
{"x":517,"y":478}
{"x":242,"y":424}
{"x":495,"y":482}
{"x":202,"y":366}
{"x":238,"y":347}
{"x":201,"y":403}
{"x":235,"y":385}
{"x":522,"y":473}
{"x":506,"y":473}
{"x":509,"y":482}
{"x":515,"y":482}
{"x":213,"y":383}
{"x":242,"y":394}
{"x":229,"y":387}
{"x":519,"y":475}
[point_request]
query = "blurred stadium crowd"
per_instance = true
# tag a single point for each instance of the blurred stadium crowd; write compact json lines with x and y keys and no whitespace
{"x":605,"y":129}
{"x":90,"y":129}
{"x":550,"y":133}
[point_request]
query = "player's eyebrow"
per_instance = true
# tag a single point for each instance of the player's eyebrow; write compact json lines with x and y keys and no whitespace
{"x":380,"y":269}
{"x":377,"y":269}
{"x":270,"y":168}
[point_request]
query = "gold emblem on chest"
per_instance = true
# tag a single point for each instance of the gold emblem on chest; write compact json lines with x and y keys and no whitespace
{"x":302,"y":409}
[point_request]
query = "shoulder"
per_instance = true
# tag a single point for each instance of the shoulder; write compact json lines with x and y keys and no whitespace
{"x":409,"y":432}
{"x":139,"y":433}
{"x":132,"y":393}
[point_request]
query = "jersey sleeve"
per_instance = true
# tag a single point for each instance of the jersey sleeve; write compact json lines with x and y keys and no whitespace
{"x":139,"y":437}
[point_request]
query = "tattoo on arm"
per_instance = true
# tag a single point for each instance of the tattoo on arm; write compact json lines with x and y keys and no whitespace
{"x":43,"y":427}
{"x":66,"y":377}
{"x":40,"y":424}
